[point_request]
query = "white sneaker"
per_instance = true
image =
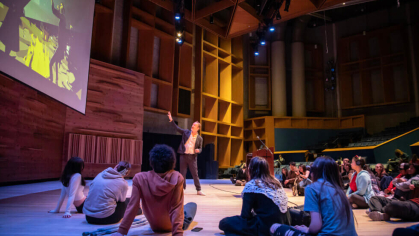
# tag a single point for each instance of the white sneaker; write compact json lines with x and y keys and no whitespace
{"x":200,"y":193}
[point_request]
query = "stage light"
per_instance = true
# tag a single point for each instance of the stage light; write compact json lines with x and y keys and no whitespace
{"x":179,"y":34}
{"x":270,"y":24}
{"x":262,"y":42}
{"x":271,"y":29}
{"x":178,"y":16}
{"x":211,"y":19}
{"x":179,"y":41}
{"x":256,"y":53}
{"x":256,"y":50}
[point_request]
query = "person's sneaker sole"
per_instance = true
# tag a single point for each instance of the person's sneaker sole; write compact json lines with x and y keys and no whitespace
{"x":378,"y":216}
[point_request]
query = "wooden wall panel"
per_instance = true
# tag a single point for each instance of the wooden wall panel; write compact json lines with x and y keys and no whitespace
{"x":31,"y":133}
{"x":34,"y":128}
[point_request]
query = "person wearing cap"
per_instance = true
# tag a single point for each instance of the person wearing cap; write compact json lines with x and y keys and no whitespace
{"x":107,"y":199}
{"x":403,"y":171}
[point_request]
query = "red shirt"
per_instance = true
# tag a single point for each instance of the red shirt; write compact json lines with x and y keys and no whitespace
{"x":390,"y":186}
{"x":352,"y":185}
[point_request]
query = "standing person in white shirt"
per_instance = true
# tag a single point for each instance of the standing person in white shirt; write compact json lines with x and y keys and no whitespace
{"x":73,"y":186}
{"x":189,"y":149}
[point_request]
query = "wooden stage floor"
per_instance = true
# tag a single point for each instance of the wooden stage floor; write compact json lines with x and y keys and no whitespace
{"x":23,"y":211}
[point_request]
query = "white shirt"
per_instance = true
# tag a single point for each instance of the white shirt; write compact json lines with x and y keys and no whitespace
{"x":74,"y":192}
{"x":190,"y":144}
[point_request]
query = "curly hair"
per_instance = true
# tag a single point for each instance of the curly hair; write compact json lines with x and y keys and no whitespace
{"x":162,"y":158}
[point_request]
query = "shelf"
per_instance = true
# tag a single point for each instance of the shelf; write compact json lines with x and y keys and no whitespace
{"x":236,"y":155}
{"x":209,"y":127}
{"x":209,"y":48}
{"x":224,"y":111}
{"x":207,"y":133}
{"x":223,"y":62}
{"x":236,"y":131}
{"x":237,"y":114}
{"x":235,"y":67}
{"x":223,"y":129}
{"x":184,"y":88}
{"x":207,"y":119}
{"x":209,"y":108}
{"x":223,"y":152}
{"x":209,"y":95}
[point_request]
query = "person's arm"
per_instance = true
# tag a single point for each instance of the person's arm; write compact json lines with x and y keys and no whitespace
{"x":405,"y":186}
{"x":312,"y":204}
{"x":73,"y":187}
{"x":122,"y":196}
{"x":248,"y":199}
{"x":54,"y":11}
{"x":201,"y":140}
{"x":178,"y":129}
{"x":361,"y":185}
{"x":131,"y":211}
{"x":305,"y":176}
{"x":60,"y":201}
{"x":176,"y":211}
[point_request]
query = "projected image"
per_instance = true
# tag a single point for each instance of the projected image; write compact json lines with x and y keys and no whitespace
{"x":46,"y":44}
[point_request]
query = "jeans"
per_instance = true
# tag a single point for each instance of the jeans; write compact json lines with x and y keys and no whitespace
{"x":288,"y":230}
{"x":406,"y":210}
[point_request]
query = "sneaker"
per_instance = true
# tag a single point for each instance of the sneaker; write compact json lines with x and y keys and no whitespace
{"x":201,"y":193}
{"x":378,"y":216}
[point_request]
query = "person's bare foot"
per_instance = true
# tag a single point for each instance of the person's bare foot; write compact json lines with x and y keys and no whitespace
{"x":201,"y":193}
{"x":378,"y":216}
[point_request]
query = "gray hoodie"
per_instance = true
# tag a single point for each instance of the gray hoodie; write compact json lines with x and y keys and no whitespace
{"x":106,"y":189}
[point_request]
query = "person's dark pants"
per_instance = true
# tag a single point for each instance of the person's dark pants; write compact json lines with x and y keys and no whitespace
{"x":80,"y":208}
{"x":405,"y":232}
{"x":359,"y":201}
{"x":115,"y":217}
{"x":406,"y":210}
{"x":190,"y":211}
{"x":236,"y":225}
{"x":286,"y":230}
{"x":189,"y":160}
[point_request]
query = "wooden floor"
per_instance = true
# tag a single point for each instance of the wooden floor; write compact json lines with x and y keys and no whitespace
{"x":23,"y":211}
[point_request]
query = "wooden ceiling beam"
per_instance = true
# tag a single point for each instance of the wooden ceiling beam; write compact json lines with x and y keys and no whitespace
{"x":213,"y":8}
{"x":231,"y":18}
{"x":211,"y":27}
{"x":246,"y":6}
{"x":318,"y":3}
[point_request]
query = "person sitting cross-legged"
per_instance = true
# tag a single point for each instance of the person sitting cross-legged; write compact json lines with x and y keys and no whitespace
{"x":107,"y":199}
{"x":161,"y":193}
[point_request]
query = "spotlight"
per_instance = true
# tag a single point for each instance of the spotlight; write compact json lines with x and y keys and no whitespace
{"x":179,"y":34}
{"x":271,"y":28}
{"x":271,"y":25}
{"x":211,"y":19}
{"x":262,"y":39}
{"x":179,"y":41}
{"x":256,"y":50}
{"x":262,"y":42}
{"x":178,"y":16}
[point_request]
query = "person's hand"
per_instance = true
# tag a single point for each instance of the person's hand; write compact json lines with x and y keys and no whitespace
{"x":402,"y":180}
{"x":170,"y":116}
{"x":286,"y":182}
{"x":386,"y":191}
{"x":196,"y":150}
{"x":67,"y":215}
{"x":392,"y":191}
{"x":412,"y":187}
{"x":274,"y":227}
{"x":302,"y":228}
{"x":53,"y":211}
{"x":117,"y":234}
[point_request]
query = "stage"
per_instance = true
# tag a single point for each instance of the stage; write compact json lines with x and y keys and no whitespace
{"x":24,"y":211}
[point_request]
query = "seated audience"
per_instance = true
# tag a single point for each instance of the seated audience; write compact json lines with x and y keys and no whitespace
{"x":374,"y":182}
{"x":344,"y":163}
{"x":394,"y":163}
{"x":292,"y":176}
{"x":382,"y":208}
{"x":360,"y":189}
{"x":382,"y":177}
{"x":412,"y":230}
{"x":264,"y":203}
{"x":161,"y":193}
{"x":389,"y":192}
{"x":347,"y":170}
{"x":107,"y":199}
{"x":330,"y":211}
{"x":283,"y":175}
{"x":403,"y":184}
{"x":241,"y":176}
{"x":303,"y":175}
{"x":72,"y":188}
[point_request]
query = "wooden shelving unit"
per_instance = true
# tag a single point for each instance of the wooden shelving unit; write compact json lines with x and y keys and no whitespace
{"x":373,"y":68}
{"x":260,"y":69}
{"x":156,"y":55}
{"x":102,"y":31}
{"x":219,"y":95}
{"x":182,"y":84}
{"x":262,"y":127}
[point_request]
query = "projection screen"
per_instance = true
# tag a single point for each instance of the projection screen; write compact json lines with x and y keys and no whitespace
{"x":46,"y":45}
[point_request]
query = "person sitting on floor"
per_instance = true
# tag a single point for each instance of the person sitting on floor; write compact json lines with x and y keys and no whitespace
{"x":374,"y":182}
{"x":412,"y":230}
{"x":400,"y":157}
{"x":107,"y":199}
{"x":264,"y":203}
{"x":403,"y":184}
{"x":303,"y":180}
{"x":241,"y":176}
{"x":161,"y":193}
{"x":360,"y":189}
{"x":382,"y":177}
{"x":346,"y":174}
{"x":283,"y":175}
{"x":292,"y":175}
{"x":72,"y":188}
{"x":382,"y":208}
{"x":330,"y":211}
{"x":390,"y":190}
